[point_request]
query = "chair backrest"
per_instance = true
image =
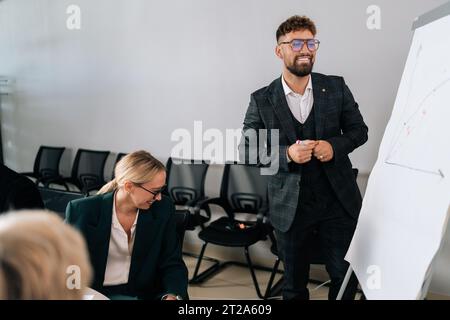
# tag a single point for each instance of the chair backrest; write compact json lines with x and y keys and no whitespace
{"x":186,"y":180}
{"x":119,"y":156}
{"x":244,"y":189}
{"x":57,"y":200}
{"x":47,"y":161}
{"x":88,"y":168}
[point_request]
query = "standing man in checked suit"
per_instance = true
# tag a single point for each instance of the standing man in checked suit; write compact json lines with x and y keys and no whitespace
{"x":315,"y":188}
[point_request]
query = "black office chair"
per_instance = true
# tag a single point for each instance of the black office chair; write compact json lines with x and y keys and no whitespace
{"x":186,"y":187}
{"x":316,"y":258}
{"x":243,"y":190}
{"x":87,"y":171}
{"x":46,"y":164}
{"x":119,"y":156}
{"x":57,"y":200}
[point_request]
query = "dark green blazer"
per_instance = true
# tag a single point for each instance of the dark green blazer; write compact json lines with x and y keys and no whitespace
{"x":157,"y":267}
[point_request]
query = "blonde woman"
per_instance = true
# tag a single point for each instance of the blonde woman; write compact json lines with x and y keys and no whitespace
{"x":41,"y":257}
{"x":131,"y":233}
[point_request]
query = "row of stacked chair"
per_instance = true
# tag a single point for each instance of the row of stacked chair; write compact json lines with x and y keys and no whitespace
{"x":87,"y":170}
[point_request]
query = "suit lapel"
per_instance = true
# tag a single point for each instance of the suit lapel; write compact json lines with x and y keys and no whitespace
{"x":146,"y":231}
{"x":320,"y":94}
{"x":281,"y":109}
{"x":101,"y":236}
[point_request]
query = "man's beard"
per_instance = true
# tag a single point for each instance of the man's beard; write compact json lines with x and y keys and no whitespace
{"x":301,"y":70}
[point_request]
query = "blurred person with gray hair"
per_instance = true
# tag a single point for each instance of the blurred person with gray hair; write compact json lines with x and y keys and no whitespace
{"x":41,"y":257}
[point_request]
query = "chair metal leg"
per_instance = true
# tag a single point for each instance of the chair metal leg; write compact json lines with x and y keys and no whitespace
{"x":199,"y":261}
{"x":218,"y":266}
{"x":272,"y":277}
{"x":252,"y":272}
{"x":200,"y":277}
{"x":276,"y":289}
{"x":193,"y":255}
{"x":215,"y":262}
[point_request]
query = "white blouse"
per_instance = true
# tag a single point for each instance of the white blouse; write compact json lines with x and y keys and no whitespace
{"x":119,"y":253}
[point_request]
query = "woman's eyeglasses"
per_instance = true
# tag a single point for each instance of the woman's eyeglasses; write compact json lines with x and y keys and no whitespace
{"x":154,"y":193}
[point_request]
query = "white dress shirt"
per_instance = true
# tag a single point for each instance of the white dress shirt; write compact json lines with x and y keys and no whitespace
{"x":300,"y":104}
{"x":119,"y":253}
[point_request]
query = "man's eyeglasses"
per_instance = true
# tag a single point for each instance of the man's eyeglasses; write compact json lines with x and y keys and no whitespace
{"x":297,"y":44}
{"x":154,"y":193}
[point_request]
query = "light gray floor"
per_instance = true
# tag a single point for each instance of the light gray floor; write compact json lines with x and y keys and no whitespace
{"x":235,"y":283}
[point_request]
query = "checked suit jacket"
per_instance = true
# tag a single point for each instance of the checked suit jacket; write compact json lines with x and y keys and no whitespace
{"x":337,"y":120}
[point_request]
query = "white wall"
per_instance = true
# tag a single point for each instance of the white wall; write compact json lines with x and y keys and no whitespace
{"x":139,"y":69}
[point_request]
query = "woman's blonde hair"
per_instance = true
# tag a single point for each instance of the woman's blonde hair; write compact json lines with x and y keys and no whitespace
{"x":137,"y":167}
{"x":41,"y":257}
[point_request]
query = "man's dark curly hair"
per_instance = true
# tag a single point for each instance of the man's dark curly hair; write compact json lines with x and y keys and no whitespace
{"x":296,"y":23}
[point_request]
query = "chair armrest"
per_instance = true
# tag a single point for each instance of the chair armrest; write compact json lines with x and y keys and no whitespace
{"x":58,"y":179}
{"x":192,"y":203}
{"x":89,"y":182}
{"x":31,"y":174}
{"x":86,"y":190}
{"x":202,"y":203}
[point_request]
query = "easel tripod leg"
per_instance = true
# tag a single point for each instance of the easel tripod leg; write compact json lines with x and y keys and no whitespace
{"x":344,"y":283}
